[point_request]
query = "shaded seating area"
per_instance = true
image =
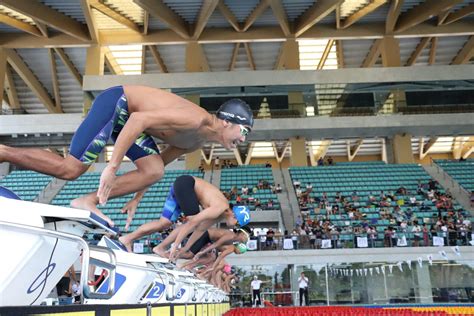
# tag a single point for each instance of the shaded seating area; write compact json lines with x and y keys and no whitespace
{"x":259,"y":182}
{"x":392,"y":205}
{"x":461,"y":171}
{"x":26,"y":184}
{"x":149,"y":209}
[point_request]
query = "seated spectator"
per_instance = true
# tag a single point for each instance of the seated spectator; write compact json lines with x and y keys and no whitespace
{"x":245,"y":190}
{"x":270,"y":204}
{"x":268,"y":165}
{"x":278,"y":188}
{"x":298,"y":192}
{"x":255,"y":190}
{"x":330,"y":161}
{"x":401,"y":191}
{"x":355,"y":197}
{"x":260,"y":184}
{"x":320,"y":161}
{"x":416,"y":230}
{"x":309,"y":186}
{"x":413,"y":201}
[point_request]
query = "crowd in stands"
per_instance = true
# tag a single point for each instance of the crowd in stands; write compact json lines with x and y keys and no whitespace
{"x":399,"y":208}
{"x":246,"y":195}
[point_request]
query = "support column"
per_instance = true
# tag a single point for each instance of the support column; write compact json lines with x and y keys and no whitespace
{"x":402,"y":151}
{"x":298,"y":152}
{"x":94,"y":66}
{"x":3,"y":68}
{"x":424,"y":285}
{"x":290,"y":59}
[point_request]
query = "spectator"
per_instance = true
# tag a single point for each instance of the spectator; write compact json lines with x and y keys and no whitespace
{"x":268,"y":165}
{"x":303,"y":282}
{"x":330,"y":161}
{"x":245,"y":190}
{"x":216,"y":163}
{"x":416,"y":230}
{"x":426,"y":236}
{"x":294,"y":238}
{"x":320,"y":161}
{"x":270,"y":236}
{"x":278,"y":188}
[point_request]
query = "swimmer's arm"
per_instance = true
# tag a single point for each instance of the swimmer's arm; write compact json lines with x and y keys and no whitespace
{"x":228,"y":250}
{"x":199,"y":223}
{"x":224,"y":240}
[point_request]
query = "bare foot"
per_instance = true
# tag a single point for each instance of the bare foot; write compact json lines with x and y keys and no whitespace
{"x":84,"y":203}
{"x":126,"y":243}
{"x":161,"y":252}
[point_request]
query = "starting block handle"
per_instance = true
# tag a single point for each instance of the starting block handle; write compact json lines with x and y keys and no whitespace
{"x":110,"y":266}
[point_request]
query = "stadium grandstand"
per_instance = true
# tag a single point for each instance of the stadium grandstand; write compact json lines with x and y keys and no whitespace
{"x":358,"y":171}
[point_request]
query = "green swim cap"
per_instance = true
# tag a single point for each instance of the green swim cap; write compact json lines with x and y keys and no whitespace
{"x":242,"y":248}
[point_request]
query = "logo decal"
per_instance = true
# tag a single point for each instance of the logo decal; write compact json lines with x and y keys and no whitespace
{"x":156,"y":292}
{"x":180,"y":293}
{"x":243,"y":210}
{"x":42,"y":278}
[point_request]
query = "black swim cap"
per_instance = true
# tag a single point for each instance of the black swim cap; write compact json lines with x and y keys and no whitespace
{"x":236,"y":111}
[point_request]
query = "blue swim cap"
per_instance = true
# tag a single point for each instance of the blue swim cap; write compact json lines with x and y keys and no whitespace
{"x":236,"y":111}
{"x":242,"y":214}
{"x":4,"y":192}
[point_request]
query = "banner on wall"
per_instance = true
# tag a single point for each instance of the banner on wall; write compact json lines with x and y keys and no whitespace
{"x":402,"y":241}
{"x":287,"y":244}
{"x":138,"y":247}
{"x":326,"y":244}
{"x":362,"y":242}
{"x":252,"y":244}
{"x":438,"y":241}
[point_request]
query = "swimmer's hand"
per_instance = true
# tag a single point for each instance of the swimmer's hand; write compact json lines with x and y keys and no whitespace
{"x":107,"y":180}
{"x":130,"y":208}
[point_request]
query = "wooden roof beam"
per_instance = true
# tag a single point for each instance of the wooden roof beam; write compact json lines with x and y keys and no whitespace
{"x":69,"y":65}
{"x":205,"y":13}
{"x":54,"y":77}
{"x":235,"y":52}
{"x":314,"y":14}
{"x":249,"y":55}
{"x":3,"y":68}
{"x":90,"y":21}
{"x":157,"y":57}
{"x":102,"y":7}
{"x":11,"y":89}
{"x":229,"y":15}
{"x":373,"y":54}
{"x":31,"y":81}
{"x":111,"y":63}
{"x":50,"y":17}
{"x":423,"y":12}
{"x":434,"y":46}
{"x":459,"y":14}
{"x":161,"y":11}
{"x":20,"y":25}
{"x":325,"y":55}
{"x":340,"y":54}
{"x":393,"y":15}
{"x":424,"y":149}
{"x":259,"y":9}
{"x":280,"y":14}
{"x":353,"y":150}
{"x":356,"y":16}
{"x":466,"y":53}
{"x":417,"y":52}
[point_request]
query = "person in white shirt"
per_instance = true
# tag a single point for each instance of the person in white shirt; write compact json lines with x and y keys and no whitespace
{"x":255,"y":286}
{"x":303,"y":285}
{"x":416,"y":230}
